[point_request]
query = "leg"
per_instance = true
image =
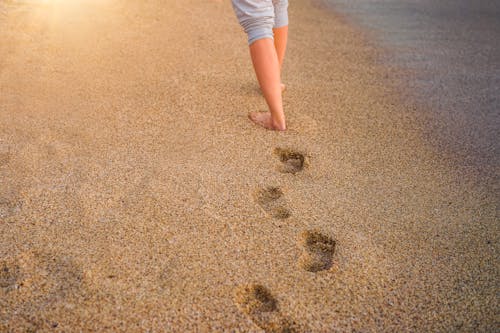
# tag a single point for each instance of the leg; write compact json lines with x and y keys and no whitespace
{"x":280,"y":40}
{"x":280,"y":29}
{"x":257,"y":19}
{"x":266,"y":65}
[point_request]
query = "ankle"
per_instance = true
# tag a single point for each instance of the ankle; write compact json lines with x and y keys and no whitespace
{"x":279,"y":125}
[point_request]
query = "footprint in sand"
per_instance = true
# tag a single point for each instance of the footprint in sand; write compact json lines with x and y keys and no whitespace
{"x":43,"y":275}
{"x":35,"y":286}
{"x":272,"y":202}
{"x":4,"y":155}
{"x":9,"y":207}
{"x":292,"y":161}
{"x":4,"y":159}
{"x":9,"y":275}
{"x":318,"y":251}
{"x":257,"y":302}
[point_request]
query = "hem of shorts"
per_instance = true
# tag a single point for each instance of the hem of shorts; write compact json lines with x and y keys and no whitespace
{"x":253,"y":40}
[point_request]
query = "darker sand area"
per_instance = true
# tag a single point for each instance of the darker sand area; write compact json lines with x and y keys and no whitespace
{"x":136,"y":196}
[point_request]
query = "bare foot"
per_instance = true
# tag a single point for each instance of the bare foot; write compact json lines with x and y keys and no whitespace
{"x":265,"y":120}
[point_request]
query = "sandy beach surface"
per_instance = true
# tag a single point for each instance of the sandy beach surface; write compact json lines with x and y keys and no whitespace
{"x":135,"y":195}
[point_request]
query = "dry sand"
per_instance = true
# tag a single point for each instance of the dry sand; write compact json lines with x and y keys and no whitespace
{"x":136,"y":196}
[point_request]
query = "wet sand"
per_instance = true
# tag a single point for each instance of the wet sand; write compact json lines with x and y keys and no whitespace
{"x":136,"y":195}
{"x":449,"y":50}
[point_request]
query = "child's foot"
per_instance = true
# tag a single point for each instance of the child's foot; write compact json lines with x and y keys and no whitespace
{"x":265,"y":120}
{"x":283,"y":87}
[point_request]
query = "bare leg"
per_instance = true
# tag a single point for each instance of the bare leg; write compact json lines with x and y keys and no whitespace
{"x":280,"y":41}
{"x":267,"y":68}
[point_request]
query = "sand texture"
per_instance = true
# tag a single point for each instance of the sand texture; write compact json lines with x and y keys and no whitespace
{"x":135,"y":195}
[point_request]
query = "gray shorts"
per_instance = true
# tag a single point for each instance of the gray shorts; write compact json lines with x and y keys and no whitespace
{"x":259,"y":17}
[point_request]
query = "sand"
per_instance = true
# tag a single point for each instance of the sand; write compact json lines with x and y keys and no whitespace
{"x":136,"y":195}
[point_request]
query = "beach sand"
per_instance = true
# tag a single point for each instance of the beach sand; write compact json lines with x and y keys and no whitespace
{"x":136,"y":195}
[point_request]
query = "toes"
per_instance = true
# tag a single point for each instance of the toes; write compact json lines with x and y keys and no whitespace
{"x":292,"y":161}
{"x":318,"y":250}
{"x":271,"y":200}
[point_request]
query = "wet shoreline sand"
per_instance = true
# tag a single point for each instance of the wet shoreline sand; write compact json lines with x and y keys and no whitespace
{"x":137,"y":196}
{"x":450,"y":52}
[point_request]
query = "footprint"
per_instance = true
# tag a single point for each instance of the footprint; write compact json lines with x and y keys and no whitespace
{"x":292,"y":161}
{"x":8,"y":207}
{"x":272,"y":202}
{"x":37,"y":286}
{"x":257,"y":302}
{"x":255,"y":298}
{"x":318,"y":251}
{"x":4,"y":155}
{"x":48,"y":276}
{"x":9,"y":275}
{"x":4,"y":158}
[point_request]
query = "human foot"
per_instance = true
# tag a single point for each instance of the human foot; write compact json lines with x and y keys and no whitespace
{"x":265,"y":120}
